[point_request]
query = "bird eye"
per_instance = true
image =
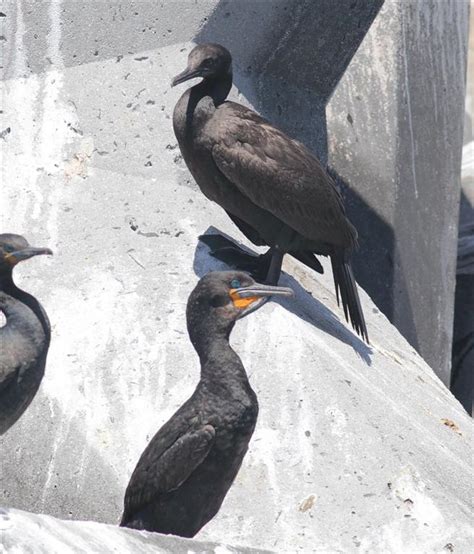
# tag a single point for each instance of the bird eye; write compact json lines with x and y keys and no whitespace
{"x":235,"y":283}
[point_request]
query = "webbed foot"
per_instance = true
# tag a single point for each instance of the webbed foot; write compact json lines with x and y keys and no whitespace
{"x":233,"y":255}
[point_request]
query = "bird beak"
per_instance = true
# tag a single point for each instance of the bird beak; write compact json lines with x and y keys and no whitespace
{"x":185,"y":76}
{"x":18,"y":256}
{"x":251,"y":298}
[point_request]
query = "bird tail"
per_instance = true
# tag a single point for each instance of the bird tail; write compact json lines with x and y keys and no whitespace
{"x":308,"y":259}
{"x":346,"y":290}
{"x":129,"y":521}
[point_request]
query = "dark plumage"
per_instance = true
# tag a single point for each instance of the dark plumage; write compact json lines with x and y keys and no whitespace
{"x":25,"y":337}
{"x":187,"y":468}
{"x":271,"y":186}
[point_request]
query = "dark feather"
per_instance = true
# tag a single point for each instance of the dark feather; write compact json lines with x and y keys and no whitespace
{"x":278,"y":174}
{"x":346,"y":292}
{"x":165,"y":471}
{"x":308,"y":259}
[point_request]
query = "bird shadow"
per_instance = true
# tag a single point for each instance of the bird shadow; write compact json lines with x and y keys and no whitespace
{"x":303,"y":304}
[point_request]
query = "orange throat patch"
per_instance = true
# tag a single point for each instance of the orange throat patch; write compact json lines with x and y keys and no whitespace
{"x":239,"y":302}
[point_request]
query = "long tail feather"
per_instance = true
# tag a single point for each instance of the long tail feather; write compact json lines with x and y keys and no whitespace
{"x":346,"y":292}
{"x":308,"y":258}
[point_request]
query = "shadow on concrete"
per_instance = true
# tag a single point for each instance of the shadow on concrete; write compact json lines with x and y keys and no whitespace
{"x":376,"y":247}
{"x":321,"y":43}
{"x":292,"y":56}
{"x":374,"y":261}
{"x":303,"y":305}
{"x":462,"y":374}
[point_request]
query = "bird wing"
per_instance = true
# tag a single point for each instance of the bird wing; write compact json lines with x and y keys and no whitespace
{"x":159,"y":471}
{"x":247,"y":230}
{"x":278,"y":174}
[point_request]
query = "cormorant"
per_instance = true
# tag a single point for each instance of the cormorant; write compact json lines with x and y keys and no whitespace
{"x":187,"y":468}
{"x":24,"y":338}
{"x":272,"y":187}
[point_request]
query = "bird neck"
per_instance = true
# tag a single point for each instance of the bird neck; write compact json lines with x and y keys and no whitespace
{"x":219,"y":361}
{"x":8,"y":286}
{"x":217,"y":88}
{"x":197,"y":105}
{"x":6,"y":283}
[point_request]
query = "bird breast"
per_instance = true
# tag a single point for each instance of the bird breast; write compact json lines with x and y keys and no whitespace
{"x":236,"y":421}
{"x":22,"y":338}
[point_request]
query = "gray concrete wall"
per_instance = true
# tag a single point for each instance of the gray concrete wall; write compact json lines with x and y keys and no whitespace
{"x":462,"y":378}
{"x":395,"y":128}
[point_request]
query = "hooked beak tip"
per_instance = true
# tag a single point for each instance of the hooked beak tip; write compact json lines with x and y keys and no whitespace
{"x":185,"y":75}
{"x":39,"y":252}
{"x":29,"y":252}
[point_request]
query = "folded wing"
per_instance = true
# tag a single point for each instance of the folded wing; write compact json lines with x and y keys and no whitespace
{"x":279,"y":175}
{"x":163,"y":470}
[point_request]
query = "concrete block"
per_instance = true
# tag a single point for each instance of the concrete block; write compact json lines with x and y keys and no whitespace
{"x":39,"y":534}
{"x":395,"y":137}
{"x":462,"y":377}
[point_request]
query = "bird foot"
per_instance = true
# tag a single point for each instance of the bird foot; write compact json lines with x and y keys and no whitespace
{"x":230,"y":253}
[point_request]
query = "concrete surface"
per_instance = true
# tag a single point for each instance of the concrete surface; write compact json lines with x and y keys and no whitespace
{"x":356,"y":449}
{"x":395,"y":127}
{"x":462,"y":379}
{"x":26,"y":533}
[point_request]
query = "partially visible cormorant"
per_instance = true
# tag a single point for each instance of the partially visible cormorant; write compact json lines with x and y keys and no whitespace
{"x":272,"y":187}
{"x":187,"y":468}
{"x":25,"y":337}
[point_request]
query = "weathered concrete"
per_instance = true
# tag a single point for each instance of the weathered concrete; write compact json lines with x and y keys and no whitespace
{"x":395,"y":138}
{"x":360,"y":438}
{"x":462,"y":378}
{"x":26,"y":533}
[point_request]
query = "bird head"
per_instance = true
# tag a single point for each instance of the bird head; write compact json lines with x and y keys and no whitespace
{"x":14,"y":249}
{"x":207,"y":61}
{"x":222,"y":297}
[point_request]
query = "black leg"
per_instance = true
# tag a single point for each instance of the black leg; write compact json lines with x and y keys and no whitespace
{"x":274,"y":270}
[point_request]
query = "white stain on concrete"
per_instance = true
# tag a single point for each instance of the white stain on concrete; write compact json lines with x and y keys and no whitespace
{"x":420,"y":527}
{"x":20,"y":95}
{"x":41,"y":122}
{"x":337,"y":420}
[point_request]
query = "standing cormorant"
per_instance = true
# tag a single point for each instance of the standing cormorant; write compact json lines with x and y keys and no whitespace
{"x":272,"y":187}
{"x":187,"y":468}
{"x":25,"y":337}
